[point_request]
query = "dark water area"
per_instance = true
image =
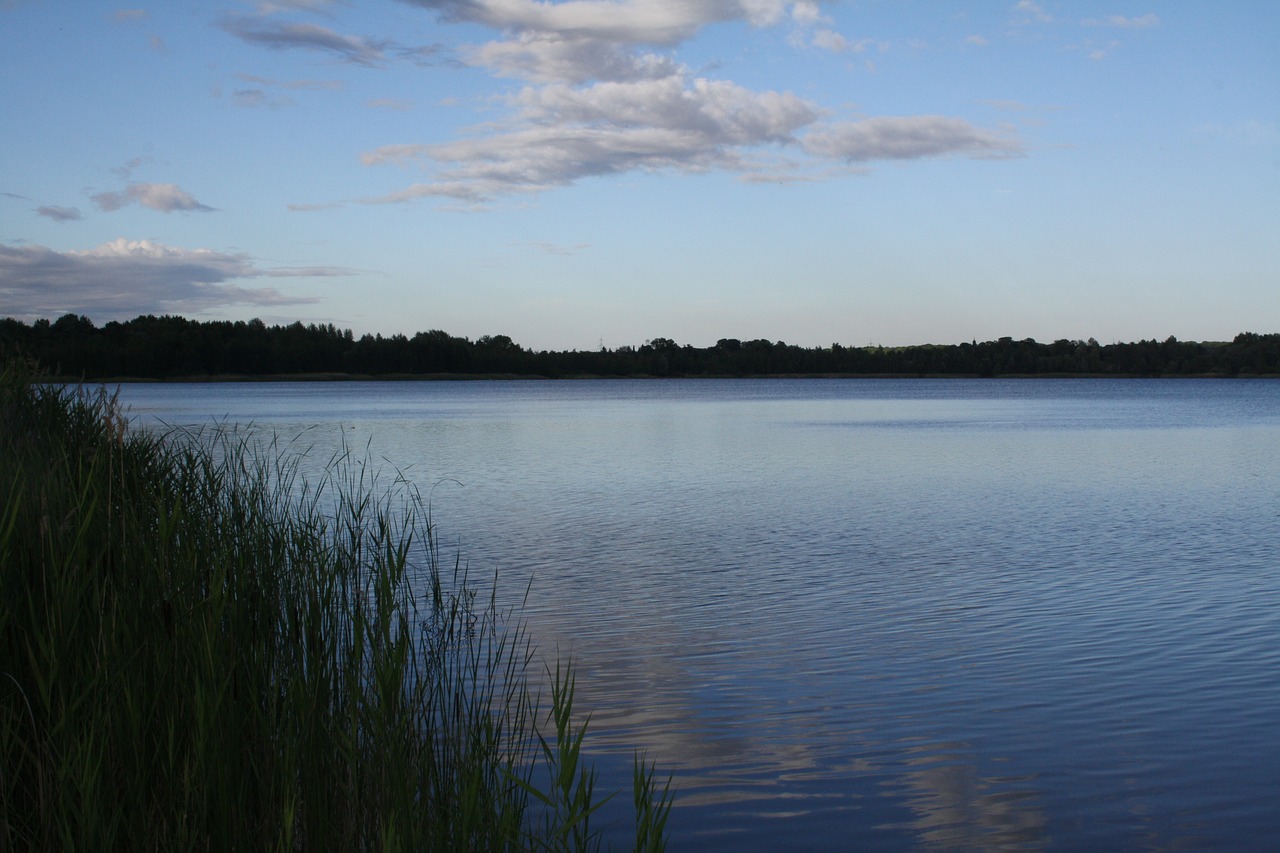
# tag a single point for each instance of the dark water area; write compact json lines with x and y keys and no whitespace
{"x":870,"y":614}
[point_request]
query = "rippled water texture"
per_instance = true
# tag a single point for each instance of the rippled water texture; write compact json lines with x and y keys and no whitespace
{"x":860,"y":614}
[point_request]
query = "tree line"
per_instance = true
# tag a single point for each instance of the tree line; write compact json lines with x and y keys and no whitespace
{"x":171,"y":347}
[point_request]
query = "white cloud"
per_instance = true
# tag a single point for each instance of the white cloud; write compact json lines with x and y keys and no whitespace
{"x":272,"y":7}
{"x":544,"y":58}
{"x":1032,"y":11}
{"x":569,"y":134}
{"x":836,"y":43}
{"x":598,"y":106}
{"x":125,"y":278}
{"x":564,"y":133}
{"x":283,"y":36}
{"x":600,"y":102}
{"x":908,"y":138}
{"x":1098,"y":53}
{"x":356,"y":50}
{"x":539,"y":158}
{"x":258,"y":98}
{"x":619,"y":21}
{"x":830,"y":40}
{"x":808,"y":14}
{"x":165,"y":198}
{"x":126,"y":171}
{"x":721,"y":111}
{"x":398,"y":155}
{"x":60,"y":214}
{"x":1141,"y":22}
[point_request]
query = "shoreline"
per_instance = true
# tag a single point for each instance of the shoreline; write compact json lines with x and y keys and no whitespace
{"x":509,"y":377}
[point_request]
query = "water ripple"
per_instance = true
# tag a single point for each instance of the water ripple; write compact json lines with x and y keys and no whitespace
{"x":936,"y":615}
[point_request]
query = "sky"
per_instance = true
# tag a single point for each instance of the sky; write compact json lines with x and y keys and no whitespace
{"x":593,"y":173}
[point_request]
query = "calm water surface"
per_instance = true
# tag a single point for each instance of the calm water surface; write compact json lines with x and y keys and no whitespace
{"x":861,"y":614}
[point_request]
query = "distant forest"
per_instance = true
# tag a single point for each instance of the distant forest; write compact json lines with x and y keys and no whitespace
{"x":171,"y":347}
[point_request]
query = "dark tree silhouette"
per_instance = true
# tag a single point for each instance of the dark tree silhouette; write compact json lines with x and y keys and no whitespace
{"x":167,"y":347}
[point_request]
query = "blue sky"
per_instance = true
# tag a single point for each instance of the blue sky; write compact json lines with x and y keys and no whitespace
{"x":598,"y":172}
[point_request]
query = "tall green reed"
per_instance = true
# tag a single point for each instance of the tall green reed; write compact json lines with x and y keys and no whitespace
{"x":200,"y":648}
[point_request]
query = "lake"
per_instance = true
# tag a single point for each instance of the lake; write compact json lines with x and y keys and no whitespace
{"x":870,"y":614}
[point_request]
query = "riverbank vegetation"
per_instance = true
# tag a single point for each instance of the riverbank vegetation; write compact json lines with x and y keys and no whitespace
{"x":173,"y":347}
{"x":200,"y":648}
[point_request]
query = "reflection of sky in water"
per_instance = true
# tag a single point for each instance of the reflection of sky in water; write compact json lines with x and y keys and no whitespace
{"x":908,"y":613}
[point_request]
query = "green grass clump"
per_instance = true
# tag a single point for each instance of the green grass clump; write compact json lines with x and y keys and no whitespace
{"x":200,"y":649}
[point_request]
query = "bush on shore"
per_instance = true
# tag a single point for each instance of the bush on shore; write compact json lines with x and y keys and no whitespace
{"x":199,"y":649}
